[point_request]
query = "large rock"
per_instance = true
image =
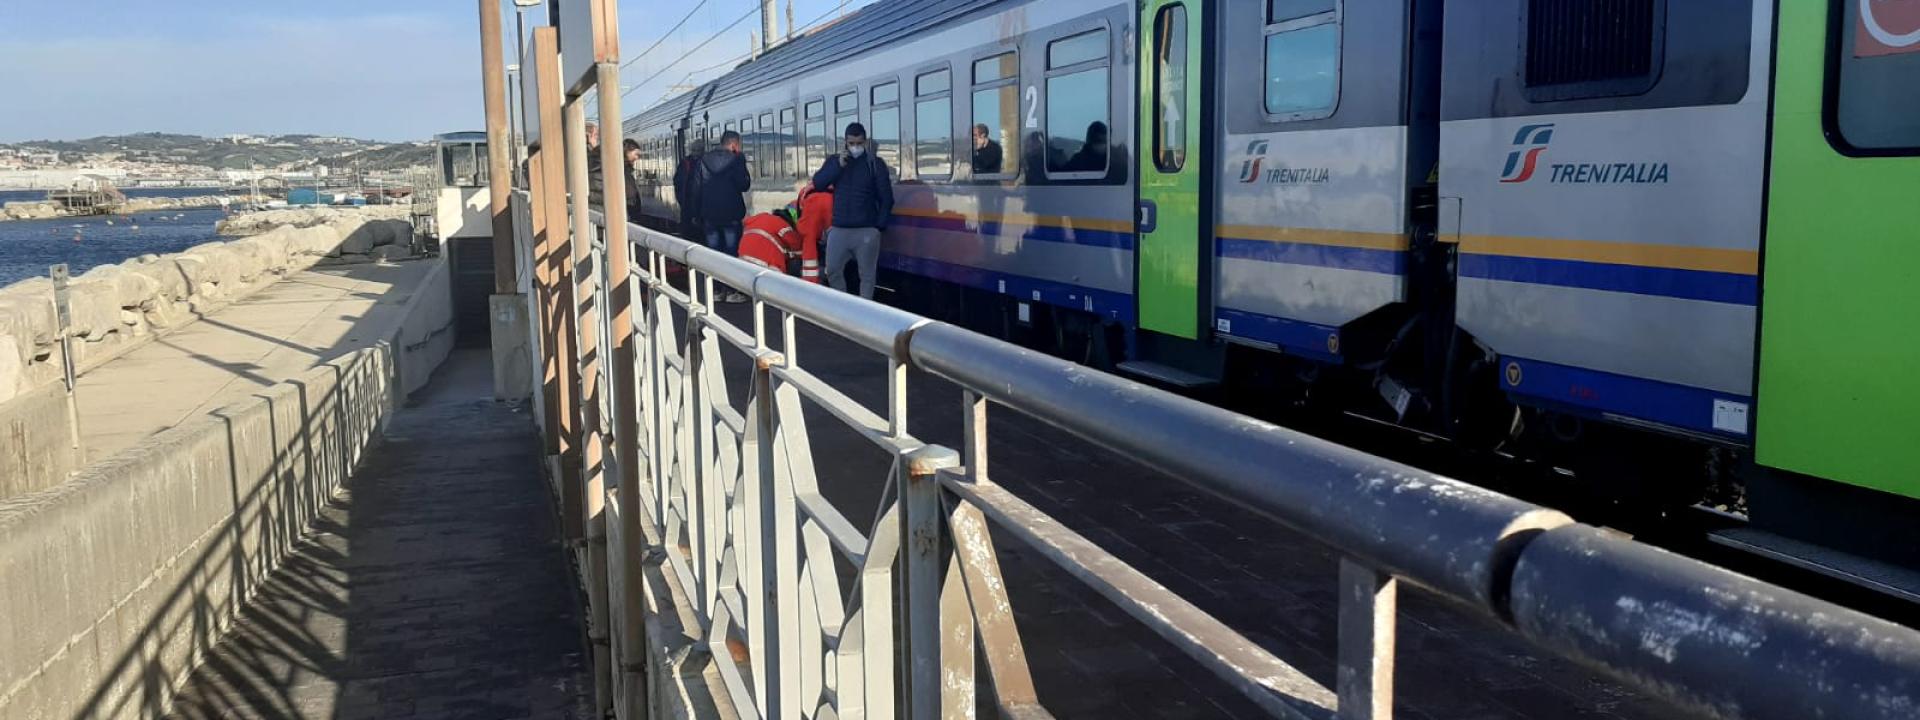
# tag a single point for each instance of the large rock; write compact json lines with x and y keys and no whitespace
{"x":392,"y":252}
{"x":170,"y":282}
{"x":131,"y":290}
{"x":361,"y":240}
{"x":30,"y":320}
{"x":93,"y":310}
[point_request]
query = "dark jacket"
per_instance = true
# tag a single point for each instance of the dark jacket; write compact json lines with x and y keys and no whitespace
{"x":633,"y":194}
{"x":722,"y":182}
{"x":862,"y":190}
{"x":596,"y":182}
{"x":683,"y":190}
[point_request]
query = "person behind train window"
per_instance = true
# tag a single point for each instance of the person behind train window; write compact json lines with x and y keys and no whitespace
{"x":686,"y":192}
{"x":1092,"y":156}
{"x":631,"y":151}
{"x":862,"y":205}
{"x":986,"y":152}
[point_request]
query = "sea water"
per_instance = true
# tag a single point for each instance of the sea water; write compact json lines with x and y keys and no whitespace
{"x":29,"y":247}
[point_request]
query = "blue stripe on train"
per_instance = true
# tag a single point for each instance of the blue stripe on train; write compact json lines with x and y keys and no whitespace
{"x":1594,"y":392}
{"x":1732,"y":288}
{"x":1106,"y":303}
{"x":1296,"y":337}
{"x":1389,"y":262}
{"x":1044,"y":233}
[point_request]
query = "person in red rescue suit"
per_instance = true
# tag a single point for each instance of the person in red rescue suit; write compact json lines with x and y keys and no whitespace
{"x":770,"y":240}
{"x":816,"y":215}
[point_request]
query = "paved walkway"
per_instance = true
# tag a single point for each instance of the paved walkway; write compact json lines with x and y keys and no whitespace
{"x":272,"y":335}
{"x":433,"y":587}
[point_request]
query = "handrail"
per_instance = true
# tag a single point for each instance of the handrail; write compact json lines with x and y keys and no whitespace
{"x":734,"y":509}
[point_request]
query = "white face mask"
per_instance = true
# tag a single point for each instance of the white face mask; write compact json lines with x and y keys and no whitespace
{"x":856,"y":150}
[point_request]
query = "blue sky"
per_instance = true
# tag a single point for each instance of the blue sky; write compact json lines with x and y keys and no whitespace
{"x":378,"y":69}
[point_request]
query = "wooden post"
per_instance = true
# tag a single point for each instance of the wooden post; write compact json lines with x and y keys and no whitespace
{"x":493,"y":73}
{"x":557,"y":315}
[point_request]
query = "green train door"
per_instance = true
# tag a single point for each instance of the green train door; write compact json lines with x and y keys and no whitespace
{"x":1173,"y":255}
{"x":1838,"y":341}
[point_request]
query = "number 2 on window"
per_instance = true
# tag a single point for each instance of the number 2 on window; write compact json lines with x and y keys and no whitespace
{"x":1033,"y":107}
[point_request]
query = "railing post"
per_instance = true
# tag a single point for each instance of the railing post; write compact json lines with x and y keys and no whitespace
{"x":584,"y":507}
{"x":1367,"y":612}
{"x":924,"y":557}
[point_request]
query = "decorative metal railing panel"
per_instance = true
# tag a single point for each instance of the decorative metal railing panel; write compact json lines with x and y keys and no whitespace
{"x":734,"y":516}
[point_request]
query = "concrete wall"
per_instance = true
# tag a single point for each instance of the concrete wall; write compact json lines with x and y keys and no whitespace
{"x":426,"y":332}
{"x":36,"y":441}
{"x":113,"y":583}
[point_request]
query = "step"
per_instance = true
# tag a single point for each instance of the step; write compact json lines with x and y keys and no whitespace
{"x":1166,"y":374}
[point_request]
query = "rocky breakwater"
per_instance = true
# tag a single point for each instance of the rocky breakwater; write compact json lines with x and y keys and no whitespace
{"x":45,"y":210}
{"x":113,"y":307}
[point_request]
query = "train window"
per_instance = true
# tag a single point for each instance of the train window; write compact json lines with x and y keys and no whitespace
{"x":884,"y":131}
{"x":1303,"y":71}
{"x":884,"y":134}
{"x":1170,"y":88}
{"x":1077,"y":104}
{"x":1873,"y":81}
{"x":815,"y":134}
{"x":793,"y":157}
{"x":1283,"y":10}
{"x":933,"y":124}
{"x":769,"y":148}
{"x":846,"y":103}
{"x":1576,"y":49}
{"x":931,"y":83}
{"x":995,"y":133}
{"x":846,"y":111}
{"x":1085,"y":47}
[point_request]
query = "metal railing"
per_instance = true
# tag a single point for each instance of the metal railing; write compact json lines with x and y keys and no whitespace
{"x":732,"y":516}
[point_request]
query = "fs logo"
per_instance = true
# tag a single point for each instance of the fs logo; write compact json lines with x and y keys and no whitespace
{"x":1527,"y":146}
{"x":1250,"y":170}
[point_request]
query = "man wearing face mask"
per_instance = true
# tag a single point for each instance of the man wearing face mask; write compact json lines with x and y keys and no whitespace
{"x":862,"y":204}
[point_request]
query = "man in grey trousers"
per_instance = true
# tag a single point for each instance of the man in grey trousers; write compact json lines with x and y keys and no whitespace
{"x":862,"y":205}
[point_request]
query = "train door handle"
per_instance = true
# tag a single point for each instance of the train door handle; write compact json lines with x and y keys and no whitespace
{"x":1146,"y":217}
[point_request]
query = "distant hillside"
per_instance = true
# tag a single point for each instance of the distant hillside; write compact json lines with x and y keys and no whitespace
{"x":238,"y":152}
{"x":397,"y":156}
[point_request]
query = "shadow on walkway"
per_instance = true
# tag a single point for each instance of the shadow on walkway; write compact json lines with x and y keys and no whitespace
{"x":433,"y":585}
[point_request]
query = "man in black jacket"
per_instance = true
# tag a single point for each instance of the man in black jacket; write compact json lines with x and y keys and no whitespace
{"x":862,"y":205}
{"x":723,"y":183}
{"x":686,"y":195}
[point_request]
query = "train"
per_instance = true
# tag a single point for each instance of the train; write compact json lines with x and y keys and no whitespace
{"x":1665,"y":245}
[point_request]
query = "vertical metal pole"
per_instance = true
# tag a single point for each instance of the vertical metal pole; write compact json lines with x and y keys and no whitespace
{"x":1367,"y":611}
{"x":64,"y":313}
{"x":922,"y":554}
{"x":499,"y":144}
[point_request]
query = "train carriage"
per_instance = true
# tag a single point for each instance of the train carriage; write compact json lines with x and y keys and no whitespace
{"x":1658,"y":242}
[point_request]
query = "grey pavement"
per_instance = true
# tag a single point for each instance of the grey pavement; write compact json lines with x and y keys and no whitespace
{"x":274,"y":334}
{"x":434,"y":586}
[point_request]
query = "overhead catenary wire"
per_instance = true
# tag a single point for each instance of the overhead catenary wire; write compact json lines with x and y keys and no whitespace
{"x":669,"y":33}
{"x":695,"y":49}
{"x":813,"y":24}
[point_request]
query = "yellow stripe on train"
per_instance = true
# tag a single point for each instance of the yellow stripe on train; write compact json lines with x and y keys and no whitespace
{"x":1677,"y":257}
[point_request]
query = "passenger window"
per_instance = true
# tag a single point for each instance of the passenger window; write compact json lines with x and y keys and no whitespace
{"x":816,"y":130}
{"x":845,"y":103}
{"x":1077,"y":103}
{"x":1873,"y":95}
{"x":793,"y":156}
{"x":846,"y":107}
{"x":769,"y":150}
{"x":1578,"y":49}
{"x":933,"y":125}
{"x":1303,"y":72}
{"x":1170,"y":88}
{"x":994,"y":137}
{"x":884,"y":131}
{"x":1279,"y":11}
